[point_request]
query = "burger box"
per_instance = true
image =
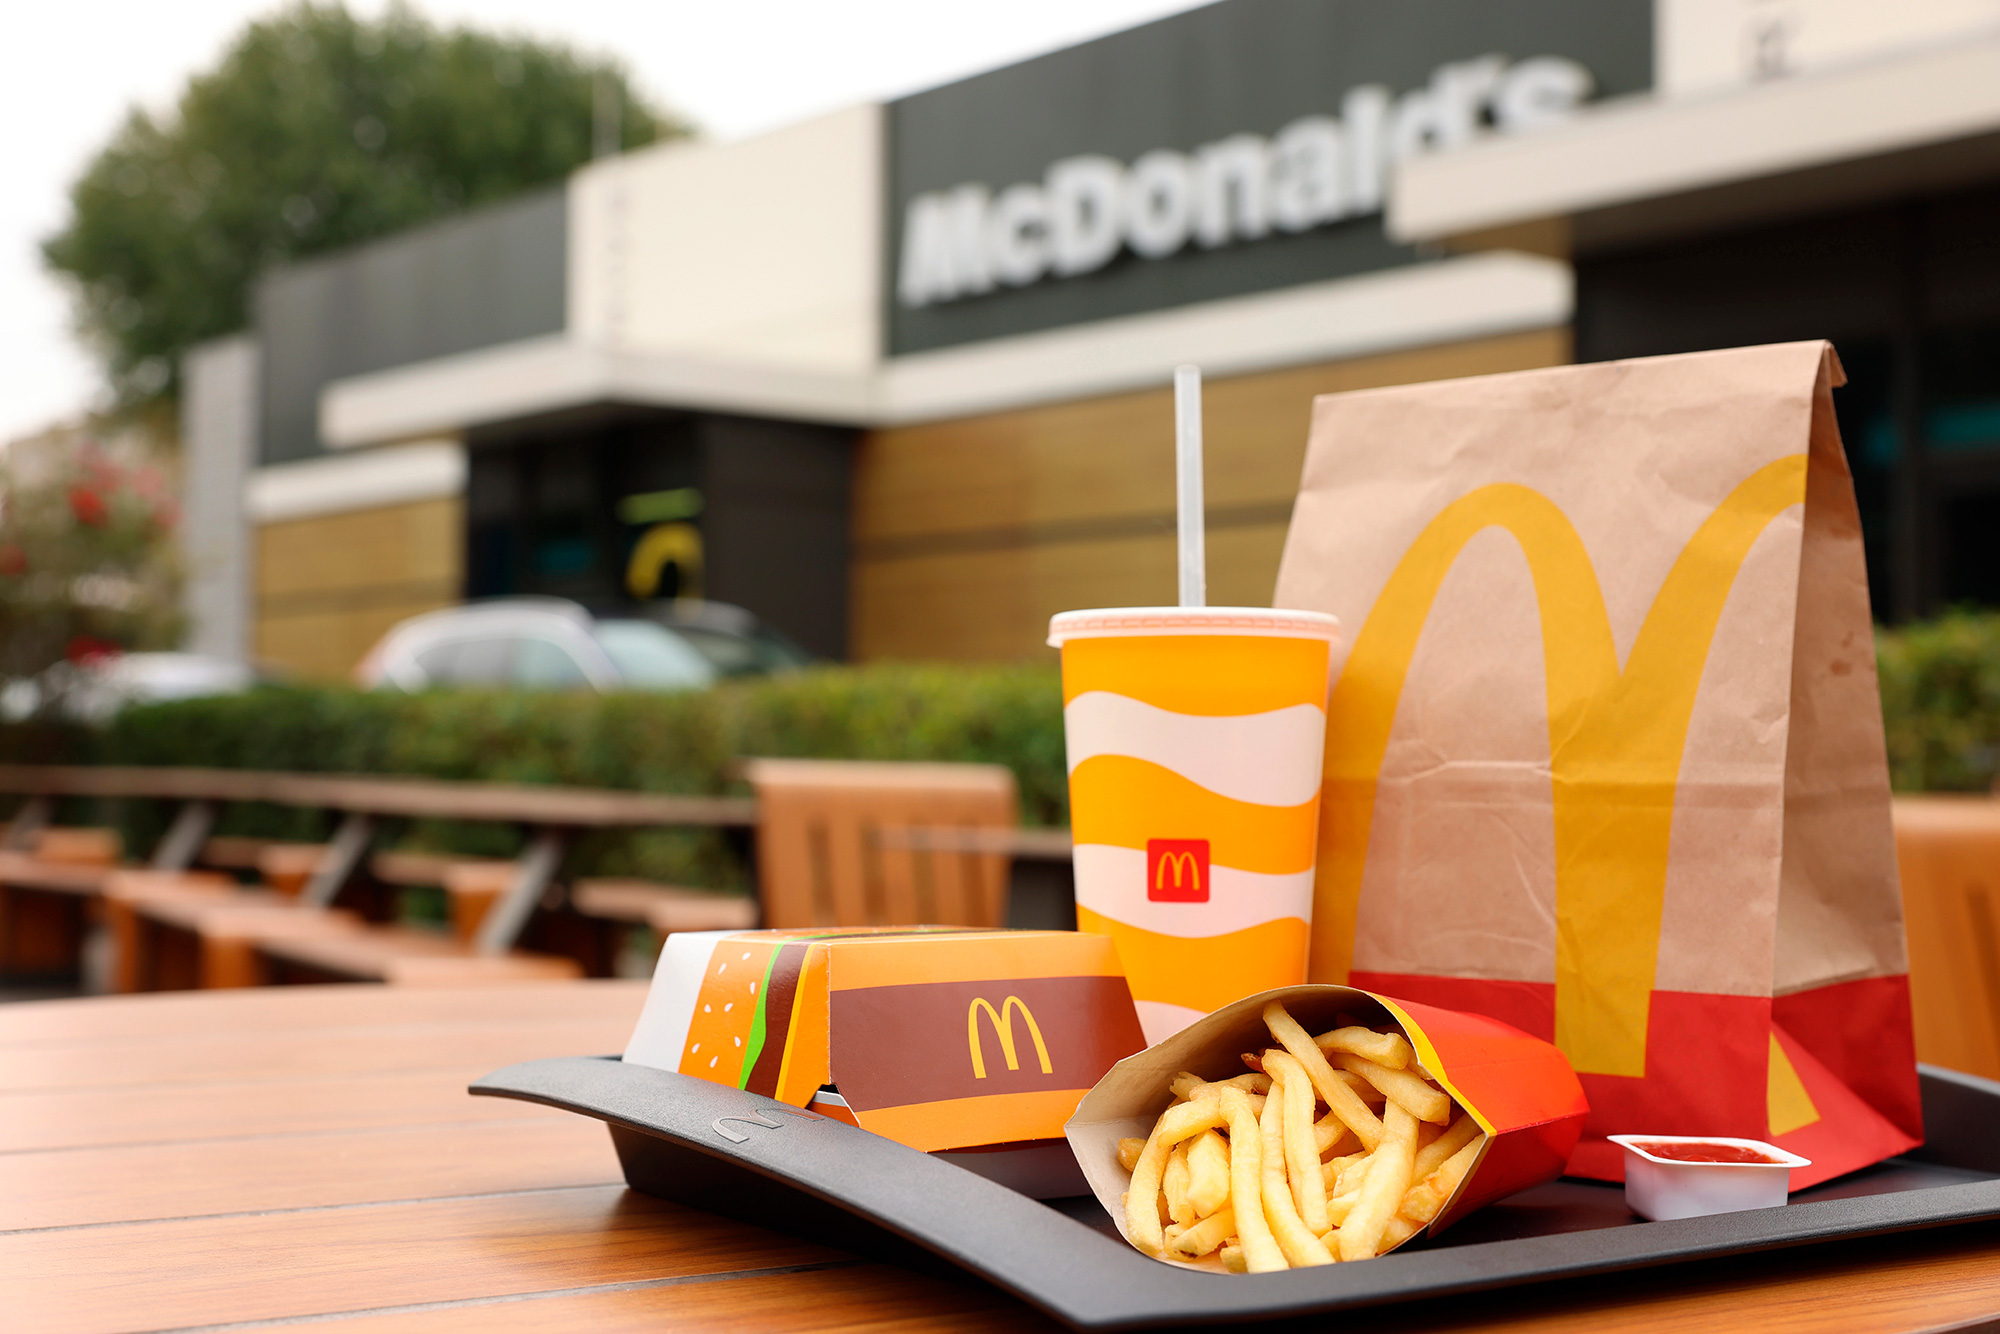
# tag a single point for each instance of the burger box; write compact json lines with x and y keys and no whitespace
{"x":975,"y":1045}
{"x":1519,"y":1089}
{"x":722,"y":1146}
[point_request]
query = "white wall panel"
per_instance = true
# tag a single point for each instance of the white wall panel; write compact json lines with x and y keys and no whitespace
{"x":1703,"y":45}
{"x":766,"y":250}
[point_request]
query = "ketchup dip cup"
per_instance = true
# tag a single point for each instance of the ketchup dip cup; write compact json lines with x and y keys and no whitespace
{"x":1661,"y":1188}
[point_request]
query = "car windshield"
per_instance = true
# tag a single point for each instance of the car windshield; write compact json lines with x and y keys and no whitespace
{"x":744,"y":655}
{"x":651,"y":657}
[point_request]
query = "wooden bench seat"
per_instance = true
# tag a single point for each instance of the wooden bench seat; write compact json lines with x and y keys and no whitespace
{"x":402,"y":956}
{"x":664,"y":908}
{"x":214,"y":943}
{"x":46,"y":889}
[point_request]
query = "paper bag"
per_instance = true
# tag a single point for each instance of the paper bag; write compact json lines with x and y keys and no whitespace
{"x":1604,"y":753}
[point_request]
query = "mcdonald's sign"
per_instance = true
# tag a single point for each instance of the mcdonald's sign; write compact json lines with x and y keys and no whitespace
{"x":1177,"y":870}
{"x":1003,"y":1028}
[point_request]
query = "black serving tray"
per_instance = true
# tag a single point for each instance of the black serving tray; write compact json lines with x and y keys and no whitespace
{"x":749,"y":1157}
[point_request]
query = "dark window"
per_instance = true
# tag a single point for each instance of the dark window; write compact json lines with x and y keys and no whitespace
{"x":1909,"y":293}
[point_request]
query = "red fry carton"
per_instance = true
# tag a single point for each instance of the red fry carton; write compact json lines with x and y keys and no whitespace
{"x":941,"y":1038}
{"x":1520,"y":1090}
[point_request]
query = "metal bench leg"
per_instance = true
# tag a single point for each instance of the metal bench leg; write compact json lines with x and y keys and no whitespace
{"x":30,"y":820}
{"x":181,"y":844}
{"x":343,"y":854}
{"x":506,"y":919}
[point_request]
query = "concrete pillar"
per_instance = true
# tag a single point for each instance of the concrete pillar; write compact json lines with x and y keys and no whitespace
{"x":218,"y":449}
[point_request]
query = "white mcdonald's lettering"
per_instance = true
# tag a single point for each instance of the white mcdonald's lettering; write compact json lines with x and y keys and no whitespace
{"x":1003,"y":1028}
{"x":968,"y":240}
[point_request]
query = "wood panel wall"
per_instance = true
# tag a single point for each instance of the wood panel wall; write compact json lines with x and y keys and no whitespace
{"x":970,"y":534}
{"x":330,"y":585}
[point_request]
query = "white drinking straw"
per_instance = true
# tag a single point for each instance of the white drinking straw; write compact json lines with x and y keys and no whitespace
{"x":1187,"y":471}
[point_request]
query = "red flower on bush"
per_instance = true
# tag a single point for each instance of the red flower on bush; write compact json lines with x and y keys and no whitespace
{"x":88,"y":506}
{"x":13,"y":560}
{"x":88,"y":648}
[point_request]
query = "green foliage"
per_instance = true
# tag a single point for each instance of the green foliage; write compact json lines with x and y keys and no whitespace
{"x":86,"y":564}
{"x":1940,"y":697}
{"x":1941,"y":702}
{"x":318,"y":129}
{"x":684,"y":742}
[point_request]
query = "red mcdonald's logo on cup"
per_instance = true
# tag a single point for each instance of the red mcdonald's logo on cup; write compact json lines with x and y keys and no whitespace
{"x":1177,"y":870}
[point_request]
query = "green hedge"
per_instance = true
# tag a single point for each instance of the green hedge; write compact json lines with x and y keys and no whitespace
{"x":1940,"y":696}
{"x":684,"y":743}
{"x":1941,"y":702}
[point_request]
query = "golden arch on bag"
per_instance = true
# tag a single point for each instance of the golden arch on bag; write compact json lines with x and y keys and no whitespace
{"x":1615,"y":741}
{"x":1186,"y":871}
{"x":1003,"y":1028}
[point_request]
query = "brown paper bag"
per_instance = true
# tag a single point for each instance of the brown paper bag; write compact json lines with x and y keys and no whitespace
{"x":1604,"y":753}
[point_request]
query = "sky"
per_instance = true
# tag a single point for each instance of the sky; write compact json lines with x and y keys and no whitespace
{"x":69,"y":72}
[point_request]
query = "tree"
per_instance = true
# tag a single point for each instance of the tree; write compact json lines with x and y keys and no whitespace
{"x":317,"y":130}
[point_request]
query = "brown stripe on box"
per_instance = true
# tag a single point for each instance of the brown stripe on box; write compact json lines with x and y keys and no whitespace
{"x":926,"y":1042}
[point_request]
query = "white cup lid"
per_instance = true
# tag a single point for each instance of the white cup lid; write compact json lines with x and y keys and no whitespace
{"x":1119,"y":622}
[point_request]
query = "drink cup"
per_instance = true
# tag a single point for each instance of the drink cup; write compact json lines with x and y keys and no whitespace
{"x":1195,"y":740}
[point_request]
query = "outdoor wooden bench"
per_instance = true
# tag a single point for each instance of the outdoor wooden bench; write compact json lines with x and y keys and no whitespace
{"x":842,"y":842}
{"x":860,"y":843}
{"x":48,"y":876}
{"x":663,"y":908}
{"x":509,"y":892}
{"x":175,"y":930}
{"x":552,"y":814}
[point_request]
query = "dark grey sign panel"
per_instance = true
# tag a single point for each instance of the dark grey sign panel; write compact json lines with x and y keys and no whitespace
{"x":486,"y":277}
{"x":1237,"y":148}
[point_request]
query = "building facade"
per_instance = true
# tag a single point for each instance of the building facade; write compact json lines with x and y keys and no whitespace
{"x":896,"y":378}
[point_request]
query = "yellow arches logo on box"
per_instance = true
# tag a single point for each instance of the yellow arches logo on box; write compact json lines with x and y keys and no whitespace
{"x":1003,"y":1028}
{"x":1616,"y":737}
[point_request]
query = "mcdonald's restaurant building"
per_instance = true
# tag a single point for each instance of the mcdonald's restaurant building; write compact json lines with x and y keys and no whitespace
{"x":896,"y":378}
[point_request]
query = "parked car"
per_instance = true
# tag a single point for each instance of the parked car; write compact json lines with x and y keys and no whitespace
{"x":734,"y":641}
{"x":93,"y":691}
{"x":555,"y":644}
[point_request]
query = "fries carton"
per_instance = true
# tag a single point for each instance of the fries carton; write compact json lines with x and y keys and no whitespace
{"x":1519,"y":1089}
{"x":941,"y":1038}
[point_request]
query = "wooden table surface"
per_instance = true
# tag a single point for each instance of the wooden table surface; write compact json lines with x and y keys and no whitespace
{"x":309,"y":1155}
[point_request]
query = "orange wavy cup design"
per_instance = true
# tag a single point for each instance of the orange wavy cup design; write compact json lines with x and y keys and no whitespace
{"x":1195,"y":739}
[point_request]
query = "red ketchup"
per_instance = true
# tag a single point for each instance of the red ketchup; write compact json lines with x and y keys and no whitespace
{"x":1704,"y":1151}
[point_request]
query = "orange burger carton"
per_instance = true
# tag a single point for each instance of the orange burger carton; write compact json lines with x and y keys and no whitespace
{"x":1520,"y":1090}
{"x":973,"y":1044}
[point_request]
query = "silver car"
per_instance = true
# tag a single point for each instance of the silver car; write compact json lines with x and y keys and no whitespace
{"x":536,"y":643}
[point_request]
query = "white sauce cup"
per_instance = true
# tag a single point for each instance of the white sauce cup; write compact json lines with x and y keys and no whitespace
{"x":1661,"y":1188}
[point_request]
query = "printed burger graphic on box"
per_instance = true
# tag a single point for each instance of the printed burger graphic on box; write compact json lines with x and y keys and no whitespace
{"x":938,"y":1037}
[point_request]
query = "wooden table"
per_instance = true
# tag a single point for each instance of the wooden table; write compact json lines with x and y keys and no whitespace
{"x":309,"y":1155}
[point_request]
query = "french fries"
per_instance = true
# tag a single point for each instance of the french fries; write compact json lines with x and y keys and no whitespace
{"x":1250,"y":1171}
{"x":1208,"y":1176}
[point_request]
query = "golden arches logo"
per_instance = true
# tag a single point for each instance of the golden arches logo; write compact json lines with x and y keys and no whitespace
{"x":678,"y":544}
{"x":1177,"y":870}
{"x":1616,"y":737}
{"x":1003,"y":1028}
